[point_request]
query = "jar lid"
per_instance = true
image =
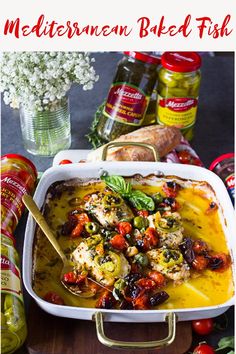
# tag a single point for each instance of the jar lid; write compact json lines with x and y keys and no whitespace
{"x":23,"y":158}
{"x":181,"y":61}
{"x":144,"y":57}
{"x":9,"y":235}
{"x":220,"y":159}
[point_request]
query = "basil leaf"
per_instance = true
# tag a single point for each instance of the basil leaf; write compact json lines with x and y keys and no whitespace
{"x":226,"y":342}
{"x":116,"y":183}
{"x":141,"y":201}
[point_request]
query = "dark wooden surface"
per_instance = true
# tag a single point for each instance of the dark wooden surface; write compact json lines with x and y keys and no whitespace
{"x":53,"y":335}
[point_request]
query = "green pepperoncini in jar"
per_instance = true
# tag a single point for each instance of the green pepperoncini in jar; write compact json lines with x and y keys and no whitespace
{"x":129,"y":95}
{"x":13,"y":323}
{"x":178,"y":89}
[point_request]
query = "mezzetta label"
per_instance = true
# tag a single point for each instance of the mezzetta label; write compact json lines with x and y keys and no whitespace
{"x":126,"y":104}
{"x":180,"y":112}
{"x":10,"y":278}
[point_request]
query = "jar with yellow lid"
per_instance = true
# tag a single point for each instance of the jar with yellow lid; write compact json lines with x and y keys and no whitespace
{"x":13,"y":323}
{"x":178,"y":90}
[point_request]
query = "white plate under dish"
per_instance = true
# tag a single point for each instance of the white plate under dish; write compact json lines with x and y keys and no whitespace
{"x":65,"y":172}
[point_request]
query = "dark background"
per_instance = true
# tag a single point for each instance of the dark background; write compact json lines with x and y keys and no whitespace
{"x":214,"y":132}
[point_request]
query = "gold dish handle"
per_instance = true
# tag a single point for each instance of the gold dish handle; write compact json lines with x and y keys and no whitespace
{"x":129,"y":143}
{"x":116,"y":344}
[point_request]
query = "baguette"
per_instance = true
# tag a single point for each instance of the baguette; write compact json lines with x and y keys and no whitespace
{"x":164,"y":138}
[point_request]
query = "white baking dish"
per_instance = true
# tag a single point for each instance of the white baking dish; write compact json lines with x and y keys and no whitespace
{"x":65,"y":172}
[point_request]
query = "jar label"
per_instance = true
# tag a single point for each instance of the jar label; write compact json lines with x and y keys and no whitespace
{"x":13,"y":188}
{"x":177,"y":111}
{"x":126,"y":103}
{"x":10,"y":278}
{"x":230,"y":184}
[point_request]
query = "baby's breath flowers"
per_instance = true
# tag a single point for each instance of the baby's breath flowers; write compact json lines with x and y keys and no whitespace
{"x":37,"y":80}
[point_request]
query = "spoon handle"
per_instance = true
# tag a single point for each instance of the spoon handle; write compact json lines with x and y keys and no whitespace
{"x":40,"y":220}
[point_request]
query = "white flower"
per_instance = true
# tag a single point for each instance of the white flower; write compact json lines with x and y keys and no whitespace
{"x":36,"y":79}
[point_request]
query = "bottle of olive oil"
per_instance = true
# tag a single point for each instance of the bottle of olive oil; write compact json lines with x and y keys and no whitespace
{"x":13,"y":323}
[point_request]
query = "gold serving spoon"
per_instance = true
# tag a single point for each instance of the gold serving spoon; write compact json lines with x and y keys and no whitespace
{"x":68,"y":266}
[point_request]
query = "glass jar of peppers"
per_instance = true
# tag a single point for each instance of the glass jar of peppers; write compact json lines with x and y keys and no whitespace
{"x":129,"y":95}
{"x":18,"y":176}
{"x":178,"y":89}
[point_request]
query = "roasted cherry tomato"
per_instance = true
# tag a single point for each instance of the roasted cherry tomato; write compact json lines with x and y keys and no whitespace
{"x":72,"y":278}
{"x":54,"y":298}
{"x":219,"y":262}
{"x":158,"y":278}
{"x":200,"y":247}
{"x":106,"y":300}
{"x":124,"y":228}
{"x":65,"y":162}
{"x":171,"y":189}
{"x":147,"y":284}
{"x":118,"y":242}
{"x":204,"y":326}
{"x":143,"y":213}
{"x":203,"y":349}
{"x":150,"y":239}
{"x":200,"y":263}
{"x":141,"y":302}
{"x":184,"y":156}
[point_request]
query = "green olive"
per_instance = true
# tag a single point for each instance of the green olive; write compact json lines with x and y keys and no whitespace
{"x":140,"y":222}
{"x":142,"y":259}
{"x":91,"y":227}
{"x":158,"y":198}
{"x":178,"y":92}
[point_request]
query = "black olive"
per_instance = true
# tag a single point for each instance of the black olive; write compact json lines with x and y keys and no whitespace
{"x":169,"y":201}
{"x":186,"y":247}
{"x":158,"y":298}
{"x":171,"y":184}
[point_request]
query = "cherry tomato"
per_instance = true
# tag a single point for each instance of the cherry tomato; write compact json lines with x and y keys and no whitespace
{"x":219,"y":262}
{"x":204,"y":326}
{"x":147,"y":284}
{"x":150,"y":239}
{"x":143,"y":213}
{"x":203,"y":349}
{"x":118,"y":242}
{"x":200,"y":247}
{"x":171,"y":189}
{"x":158,"y":278}
{"x":54,"y":298}
{"x":141,"y":302}
{"x":124,"y":228}
{"x":64,"y":162}
{"x":72,"y":278}
{"x":184,"y":157}
{"x":200,"y":263}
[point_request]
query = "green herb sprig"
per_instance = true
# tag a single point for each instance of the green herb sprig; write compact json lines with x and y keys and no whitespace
{"x":137,"y":198}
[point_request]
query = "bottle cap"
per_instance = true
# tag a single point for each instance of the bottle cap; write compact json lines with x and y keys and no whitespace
{"x":220,"y":159}
{"x":23,"y":158}
{"x":181,"y":61}
{"x":145,"y":57}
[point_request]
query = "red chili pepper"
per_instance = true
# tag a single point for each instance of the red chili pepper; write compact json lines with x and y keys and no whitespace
{"x":124,"y":228}
{"x":118,"y":242}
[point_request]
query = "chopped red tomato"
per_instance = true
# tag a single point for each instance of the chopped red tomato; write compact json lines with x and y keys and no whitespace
{"x":118,"y":242}
{"x":171,"y":189}
{"x":143,"y":213}
{"x":159,"y":278}
{"x":73,"y":278}
{"x":150,"y":239}
{"x":54,"y":298}
{"x":124,"y":228}
{"x":65,"y":162}
{"x":200,"y":263}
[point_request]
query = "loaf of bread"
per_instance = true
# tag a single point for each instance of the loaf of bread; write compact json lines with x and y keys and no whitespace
{"x":164,"y":138}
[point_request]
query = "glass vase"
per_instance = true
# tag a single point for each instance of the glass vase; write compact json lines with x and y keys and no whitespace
{"x":46,"y":132}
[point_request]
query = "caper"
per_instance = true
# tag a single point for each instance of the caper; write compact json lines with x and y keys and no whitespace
{"x":140,"y":222}
{"x":91,"y":227}
{"x":142,"y":259}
